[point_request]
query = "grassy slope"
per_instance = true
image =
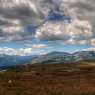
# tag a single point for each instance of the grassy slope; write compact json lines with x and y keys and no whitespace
{"x":49,"y":79}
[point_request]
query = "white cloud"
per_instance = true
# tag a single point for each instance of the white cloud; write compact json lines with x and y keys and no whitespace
{"x":89,"y":49}
{"x":15,"y":15}
{"x":92,"y":42}
{"x":76,"y":31}
{"x":20,"y":52}
{"x":79,"y":31}
{"x":39,"y":46}
{"x":34,"y":49}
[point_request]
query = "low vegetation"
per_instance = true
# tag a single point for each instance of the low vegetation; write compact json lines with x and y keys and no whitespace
{"x":49,"y":79}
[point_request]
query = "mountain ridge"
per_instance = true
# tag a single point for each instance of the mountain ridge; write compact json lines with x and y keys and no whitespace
{"x":52,"y":57}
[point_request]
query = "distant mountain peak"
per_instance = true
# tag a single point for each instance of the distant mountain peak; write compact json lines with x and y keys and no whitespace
{"x":58,"y":52}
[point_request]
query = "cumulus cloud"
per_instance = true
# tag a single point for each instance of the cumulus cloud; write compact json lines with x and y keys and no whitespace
{"x":39,"y":46}
{"x":35,"y":48}
{"x":81,"y":28}
{"x":15,"y":15}
{"x":20,"y":52}
{"x":77,"y":30}
{"x":82,"y":10}
{"x":92,"y":41}
{"x":89,"y":49}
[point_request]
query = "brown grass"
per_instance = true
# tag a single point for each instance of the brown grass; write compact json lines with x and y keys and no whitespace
{"x":51,"y":79}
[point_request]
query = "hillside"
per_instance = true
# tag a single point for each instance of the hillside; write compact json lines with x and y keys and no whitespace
{"x":49,"y":79}
{"x":64,"y":57}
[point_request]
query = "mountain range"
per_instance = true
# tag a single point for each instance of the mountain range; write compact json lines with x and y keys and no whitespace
{"x":12,"y":60}
{"x":53,"y":57}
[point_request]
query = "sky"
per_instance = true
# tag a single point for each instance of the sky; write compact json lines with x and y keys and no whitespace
{"x":41,"y":26}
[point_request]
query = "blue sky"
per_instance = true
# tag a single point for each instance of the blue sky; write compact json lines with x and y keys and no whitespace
{"x":47,"y":25}
{"x":50,"y":46}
